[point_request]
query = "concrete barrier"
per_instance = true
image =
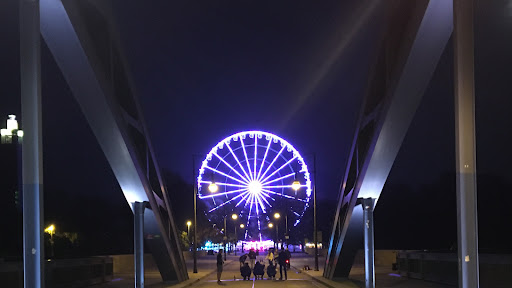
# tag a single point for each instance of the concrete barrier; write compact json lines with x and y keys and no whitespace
{"x":442,"y":267}
{"x":383,"y":258}
{"x":62,"y":273}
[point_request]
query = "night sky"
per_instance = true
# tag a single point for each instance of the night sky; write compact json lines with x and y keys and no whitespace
{"x":204,"y":70}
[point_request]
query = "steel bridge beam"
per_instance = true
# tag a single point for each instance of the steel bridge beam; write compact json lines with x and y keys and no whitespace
{"x":414,"y":39}
{"x":81,"y":36}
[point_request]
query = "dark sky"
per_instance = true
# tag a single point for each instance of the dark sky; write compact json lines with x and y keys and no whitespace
{"x":204,"y":70}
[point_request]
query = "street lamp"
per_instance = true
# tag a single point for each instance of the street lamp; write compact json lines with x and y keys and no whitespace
{"x":277,"y":216}
{"x":296,"y":186}
{"x":50,"y":230}
{"x":194,"y":184}
{"x":235,"y":217}
{"x":242,"y":226}
{"x":11,"y":131}
{"x":213,"y":187}
{"x":225,"y":238}
{"x":188,"y":230}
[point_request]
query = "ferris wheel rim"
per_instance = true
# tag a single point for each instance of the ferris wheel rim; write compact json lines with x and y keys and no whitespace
{"x":266,"y":175}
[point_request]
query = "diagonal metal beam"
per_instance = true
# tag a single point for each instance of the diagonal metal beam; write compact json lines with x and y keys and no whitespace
{"x":415,"y":37}
{"x":80,"y":35}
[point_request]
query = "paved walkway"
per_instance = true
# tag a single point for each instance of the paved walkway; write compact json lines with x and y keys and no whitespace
{"x":297,"y":277}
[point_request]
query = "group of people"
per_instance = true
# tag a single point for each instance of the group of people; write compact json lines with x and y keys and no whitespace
{"x":258,"y":269}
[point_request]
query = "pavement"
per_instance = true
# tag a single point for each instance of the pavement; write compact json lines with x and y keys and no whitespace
{"x":297,"y":277}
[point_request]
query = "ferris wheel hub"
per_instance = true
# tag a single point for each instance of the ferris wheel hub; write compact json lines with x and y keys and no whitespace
{"x":255,"y":187}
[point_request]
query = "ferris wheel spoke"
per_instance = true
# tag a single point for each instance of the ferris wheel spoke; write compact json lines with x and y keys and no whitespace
{"x":255,"y":154}
{"x":224,"y":174}
{"x":247,"y":201}
{"x":238,"y":196}
{"x":255,"y":200}
{"x":264,"y":199}
{"x":271,"y":163}
{"x":243,"y":198}
{"x":261,"y":204}
{"x":224,"y":184}
{"x":268,"y":196}
{"x":277,"y":179}
{"x":264,"y":158}
{"x":283,"y":186}
{"x":283,"y":195}
{"x":238,"y":161}
{"x":246,"y":158}
{"x":230,"y":167}
{"x":277,"y":170}
{"x":223,"y":193}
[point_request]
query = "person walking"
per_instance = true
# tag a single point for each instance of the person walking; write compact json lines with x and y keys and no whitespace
{"x":282,"y":259}
{"x":252,"y":258}
{"x":220,"y":265}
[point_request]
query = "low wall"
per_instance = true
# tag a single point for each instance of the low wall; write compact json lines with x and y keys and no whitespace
{"x":442,"y":267}
{"x":311,"y":251}
{"x":124,"y":264}
{"x":68,"y":273}
{"x":383,"y":258}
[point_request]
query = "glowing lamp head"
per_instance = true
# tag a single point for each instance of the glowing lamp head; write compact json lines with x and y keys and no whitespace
{"x":242,"y":226}
{"x":270,"y":225}
{"x":189,"y":223}
{"x":277,"y":215}
{"x":296,"y":185}
{"x":213,"y":187}
{"x":255,"y":187}
{"x":50,"y":229}
{"x":234,"y":216}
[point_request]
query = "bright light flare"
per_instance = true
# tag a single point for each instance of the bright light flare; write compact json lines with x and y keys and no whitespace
{"x":213,"y":187}
{"x":50,"y":229}
{"x":255,"y":187}
{"x":296,"y":185}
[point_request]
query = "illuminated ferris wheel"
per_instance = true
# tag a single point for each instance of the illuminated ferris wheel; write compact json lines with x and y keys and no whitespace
{"x":254,"y":174}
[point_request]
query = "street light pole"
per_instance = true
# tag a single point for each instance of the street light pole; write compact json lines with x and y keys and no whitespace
{"x":277,"y":233}
{"x":236,"y":239}
{"x":194,"y":252}
{"x":314,"y":213}
{"x":225,"y":238}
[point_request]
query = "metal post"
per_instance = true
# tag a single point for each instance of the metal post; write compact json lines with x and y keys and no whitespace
{"x":277,"y":234}
{"x":138,"y":239}
{"x":32,"y":150}
{"x":236,"y":239}
{"x":315,"y":232}
{"x":369,"y":247}
{"x":465,"y":144}
{"x":225,"y":238}
{"x":194,"y":183}
{"x":286,"y":236}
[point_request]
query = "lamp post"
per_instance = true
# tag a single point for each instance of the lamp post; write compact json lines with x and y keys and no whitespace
{"x":51,"y":230}
{"x":225,"y":238}
{"x":314,"y":213}
{"x":188,"y":231}
{"x":235,"y":217}
{"x":242,"y":226}
{"x":277,"y":216}
{"x":194,"y":183}
{"x":271,"y":225}
{"x":296,"y":186}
